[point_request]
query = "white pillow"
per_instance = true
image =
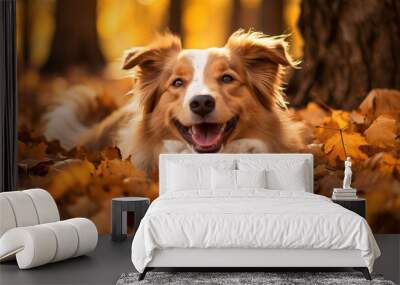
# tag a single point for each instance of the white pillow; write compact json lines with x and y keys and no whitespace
{"x":292,"y":179}
{"x":223,"y":179}
{"x":182,"y":177}
{"x":251,"y":178}
{"x":227,"y":179}
{"x":281,"y":174}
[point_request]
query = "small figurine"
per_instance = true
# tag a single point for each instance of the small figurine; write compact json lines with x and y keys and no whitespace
{"x":347,"y":174}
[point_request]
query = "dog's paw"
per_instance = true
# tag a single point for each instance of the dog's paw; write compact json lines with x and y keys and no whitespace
{"x":175,"y":146}
{"x":246,"y":146}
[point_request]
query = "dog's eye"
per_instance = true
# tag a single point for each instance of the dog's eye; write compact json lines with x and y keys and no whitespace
{"x":177,"y":82}
{"x":226,"y":78}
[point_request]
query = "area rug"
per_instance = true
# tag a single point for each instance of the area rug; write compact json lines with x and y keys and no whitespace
{"x":243,"y":278}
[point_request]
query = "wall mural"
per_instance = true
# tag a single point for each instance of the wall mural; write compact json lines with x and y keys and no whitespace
{"x":101,"y":96}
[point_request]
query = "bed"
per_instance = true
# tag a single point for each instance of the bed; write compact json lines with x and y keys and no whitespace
{"x":246,"y":211}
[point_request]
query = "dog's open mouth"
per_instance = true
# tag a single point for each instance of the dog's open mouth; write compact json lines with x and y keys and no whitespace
{"x":207,"y":137}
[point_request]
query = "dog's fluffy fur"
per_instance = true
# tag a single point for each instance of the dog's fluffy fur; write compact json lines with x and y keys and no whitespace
{"x":244,"y":78}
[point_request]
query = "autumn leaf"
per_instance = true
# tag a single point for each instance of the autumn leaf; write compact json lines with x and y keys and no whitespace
{"x":320,"y":171}
{"x":33,"y":152}
{"x":115,"y":178}
{"x":352,"y":141}
{"x":118,"y":168}
{"x":379,"y":102}
{"x":385,"y":163}
{"x":313,"y":114}
{"x":329,"y":181}
{"x":332,"y":125}
{"x":111,"y":153}
{"x":328,"y":129}
{"x":30,"y":156}
{"x":317,"y":151}
{"x":73,"y":178}
{"x":102,"y":218}
{"x":83,"y":207}
{"x":357,"y":118}
{"x":382,"y":132}
{"x":341,"y":118}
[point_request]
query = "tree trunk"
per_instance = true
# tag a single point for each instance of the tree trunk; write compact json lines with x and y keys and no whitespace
{"x":75,"y":41}
{"x":271,"y":17}
{"x":350,"y":47}
{"x":175,"y":18}
{"x":235,"y":16}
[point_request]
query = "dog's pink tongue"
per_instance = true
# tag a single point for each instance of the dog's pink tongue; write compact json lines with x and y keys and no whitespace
{"x":206,"y":135}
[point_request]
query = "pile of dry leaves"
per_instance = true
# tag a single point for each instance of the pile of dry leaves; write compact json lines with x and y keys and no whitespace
{"x":84,"y":182}
{"x":371,"y":136}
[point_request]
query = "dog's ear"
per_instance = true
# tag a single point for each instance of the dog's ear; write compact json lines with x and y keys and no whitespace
{"x":255,"y":47}
{"x":265,"y":59}
{"x":153,"y":55}
{"x":150,"y":62}
{"x":131,"y":57}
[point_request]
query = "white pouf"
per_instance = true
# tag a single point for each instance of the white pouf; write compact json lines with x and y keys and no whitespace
{"x":31,"y":232}
{"x":26,"y":208}
{"x":37,"y":245}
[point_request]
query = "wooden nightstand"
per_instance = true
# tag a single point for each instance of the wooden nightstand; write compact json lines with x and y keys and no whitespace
{"x":355,"y":205}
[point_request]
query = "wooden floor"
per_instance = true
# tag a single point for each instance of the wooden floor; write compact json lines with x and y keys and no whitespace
{"x":111,"y":259}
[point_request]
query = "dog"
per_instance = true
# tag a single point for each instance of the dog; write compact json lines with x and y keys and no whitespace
{"x":216,"y":100}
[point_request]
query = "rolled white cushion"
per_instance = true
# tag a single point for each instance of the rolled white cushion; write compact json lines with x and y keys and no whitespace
{"x":45,"y":205}
{"x":41,"y":244}
{"x":66,"y":238}
{"x":7,"y":218}
{"x":33,"y":246}
{"x":23,"y":208}
{"x":87,"y":234}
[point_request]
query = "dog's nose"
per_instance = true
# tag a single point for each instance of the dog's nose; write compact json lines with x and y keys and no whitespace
{"x":202,"y":104}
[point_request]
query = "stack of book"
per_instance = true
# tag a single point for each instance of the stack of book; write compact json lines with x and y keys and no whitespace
{"x":344,"y":194}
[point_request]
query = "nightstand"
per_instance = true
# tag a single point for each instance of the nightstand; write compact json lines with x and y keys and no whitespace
{"x":120,"y":207}
{"x":356,"y":205}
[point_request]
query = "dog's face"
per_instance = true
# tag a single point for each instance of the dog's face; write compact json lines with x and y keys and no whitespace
{"x":207,"y":98}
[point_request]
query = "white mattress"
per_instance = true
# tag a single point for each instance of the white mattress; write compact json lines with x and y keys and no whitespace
{"x":253,"y":219}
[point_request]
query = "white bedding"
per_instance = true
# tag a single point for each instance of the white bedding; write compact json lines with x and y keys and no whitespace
{"x":252,"y":218}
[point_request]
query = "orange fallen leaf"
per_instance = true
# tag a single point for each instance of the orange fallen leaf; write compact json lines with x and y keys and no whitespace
{"x":382,"y":132}
{"x":341,"y":118}
{"x":380,"y":101}
{"x":312,"y":114}
{"x":118,"y":168}
{"x":35,"y":151}
{"x":357,"y":118}
{"x":352,"y":141}
{"x":384,"y":162}
{"x":111,"y":153}
{"x":71,"y":179}
{"x":328,"y":129}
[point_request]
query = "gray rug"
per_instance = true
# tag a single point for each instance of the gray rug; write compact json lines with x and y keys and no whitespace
{"x":231,"y":278}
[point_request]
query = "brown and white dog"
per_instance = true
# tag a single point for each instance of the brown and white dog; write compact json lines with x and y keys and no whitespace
{"x":225,"y":99}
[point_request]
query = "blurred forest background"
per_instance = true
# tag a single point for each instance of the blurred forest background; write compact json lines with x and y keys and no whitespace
{"x":348,"y":81}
